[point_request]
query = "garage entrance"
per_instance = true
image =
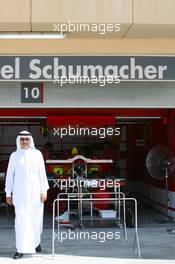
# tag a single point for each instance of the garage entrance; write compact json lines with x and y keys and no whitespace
{"x":141,"y":130}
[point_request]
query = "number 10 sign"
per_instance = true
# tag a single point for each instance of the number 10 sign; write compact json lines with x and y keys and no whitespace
{"x":32,"y":92}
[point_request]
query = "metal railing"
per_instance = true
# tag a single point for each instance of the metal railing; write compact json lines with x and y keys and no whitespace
{"x":80,"y":200}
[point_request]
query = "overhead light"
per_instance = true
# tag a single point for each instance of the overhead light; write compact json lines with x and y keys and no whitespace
{"x":32,"y":35}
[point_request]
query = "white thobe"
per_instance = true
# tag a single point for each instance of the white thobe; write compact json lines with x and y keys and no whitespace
{"x":26,"y":180}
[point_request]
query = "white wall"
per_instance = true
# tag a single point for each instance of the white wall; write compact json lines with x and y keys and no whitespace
{"x":123,"y":95}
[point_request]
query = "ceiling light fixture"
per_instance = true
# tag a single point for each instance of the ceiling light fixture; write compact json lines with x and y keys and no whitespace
{"x":32,"y":35}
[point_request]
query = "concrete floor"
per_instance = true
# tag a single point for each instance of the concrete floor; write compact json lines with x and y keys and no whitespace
{"x":157,"y":246}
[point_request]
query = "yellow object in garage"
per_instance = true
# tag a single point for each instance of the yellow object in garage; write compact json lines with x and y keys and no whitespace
{"x":58,"y":170}
{"x":74,"y":151}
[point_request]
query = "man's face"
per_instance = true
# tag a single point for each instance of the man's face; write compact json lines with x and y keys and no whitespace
{"x":25,"y":142}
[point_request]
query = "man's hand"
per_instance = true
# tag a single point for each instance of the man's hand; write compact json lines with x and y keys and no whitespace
{"x":43,"y":197}
{"x":9,"y":200}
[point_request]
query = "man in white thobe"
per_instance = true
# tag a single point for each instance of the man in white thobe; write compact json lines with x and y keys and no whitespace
{"x":26,"y":188}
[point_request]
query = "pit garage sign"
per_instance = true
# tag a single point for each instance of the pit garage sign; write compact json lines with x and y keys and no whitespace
{"x":49,"y":68}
